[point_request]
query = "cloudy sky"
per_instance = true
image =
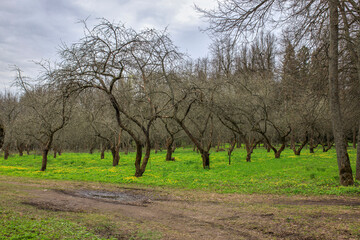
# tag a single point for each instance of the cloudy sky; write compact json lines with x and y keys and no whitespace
{"x":32,"y":30}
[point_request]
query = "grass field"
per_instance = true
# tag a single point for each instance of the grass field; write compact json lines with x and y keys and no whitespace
{"x":308,"y":174}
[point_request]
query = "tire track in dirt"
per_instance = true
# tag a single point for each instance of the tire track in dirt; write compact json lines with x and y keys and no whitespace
{"x":181,"y":214}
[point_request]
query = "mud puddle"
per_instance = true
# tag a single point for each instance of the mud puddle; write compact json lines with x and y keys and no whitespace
{"x":121,"y":197}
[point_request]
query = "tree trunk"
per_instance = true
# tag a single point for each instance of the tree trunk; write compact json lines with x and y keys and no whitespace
{"x":292,"y":141}
{"x":218,"y":147}
{"x":2,"y":135}
{"x":156,"y":146}
{"x":238,"y":143}
{"x":140,"y":166}
{"x":169,"y":149}
{"x":126,"y":150}
{"x":44,"y":159}
{"x":102,"y":154}
{"x":206,"y":159}
{"x":6,"y":151}
{"x":298,"y":151}
{"x":278,"y":152}
{"x":91,"y":150}
{"x":169,"y":154}
{"x":328,"y":146}
{"x":358,"y":157}
{"x":146,"y":157}
{"x":268,"y":149}
{"x":116,"y":156}
{"x":20,"y":149}
{"x":248,"y":156}
{"x":354,"y":138}
{"x":311,"y":148}
{"x":345,"y":171}
{"x":55,"y":152}
{"x":27,"y":149}
{"x":311,"y":144}
{"x":249,"y":146}
{"x":231,"y":149}
{"x":138,"y":172}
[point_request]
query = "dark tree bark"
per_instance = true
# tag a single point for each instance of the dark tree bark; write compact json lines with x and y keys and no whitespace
{"x":126,"y":150}
{"x":358,"y":157}
{"x":277,"y":152}
{"x":2,"y":135}
{"x":312,"y":146}
{"x":354,"y":138}
{"x":303,"y":144}
{"x":44,"y":159}
{"x":45,"y":151}
{"x":169,"y":148}
{"x":205,"y":155}
{"x":103,"y":149}
{"x":20,"y":148}
{"x":141,"y":162}
{"x":231,"y":149}
{"x":202,"y":148}
{"x":91,"y":150}
{"x":115,"y":152}
{"x":55,"y":152}
{"x":250,"y":146}
{"x":6,"y":151}
{"x":27,"y":148}
{"x":238,"y":143}
{"x":327,"y":146}
{"x":345,"y":171}
{"x":292,"y":141}
{"x":156,"y":146}
{"x":138,"y":157}
{"x":268,"y":149}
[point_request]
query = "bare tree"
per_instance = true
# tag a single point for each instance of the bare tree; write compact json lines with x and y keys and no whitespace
{"x":2,"y":134}
{"x":47,"y":109}
{"x":189,"y":93}
{"x":235,"y":17}
{"x":172,"y":130}
{"x":11,"y":123}
{"x":127,"y":67}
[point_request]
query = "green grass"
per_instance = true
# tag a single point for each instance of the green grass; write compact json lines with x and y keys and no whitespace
{"x":308,"y":174}
{"x":15,"y":226}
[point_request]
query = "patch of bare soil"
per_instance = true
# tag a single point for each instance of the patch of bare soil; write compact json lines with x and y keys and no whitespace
{"x":56,"y":207}
{"x":322,"y":202}
{"x":180,"y":214}
{"x":125,"y":197}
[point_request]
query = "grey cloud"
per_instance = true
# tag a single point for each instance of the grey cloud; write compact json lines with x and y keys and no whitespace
{"x":33,"y":29}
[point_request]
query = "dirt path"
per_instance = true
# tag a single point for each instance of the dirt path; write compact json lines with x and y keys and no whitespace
{"x":180,"y":214}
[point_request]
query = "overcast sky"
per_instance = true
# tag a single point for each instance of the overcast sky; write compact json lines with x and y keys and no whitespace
{"x":32,"y":30}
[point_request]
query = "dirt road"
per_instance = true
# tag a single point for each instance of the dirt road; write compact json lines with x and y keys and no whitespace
{"x":183,"y":214}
